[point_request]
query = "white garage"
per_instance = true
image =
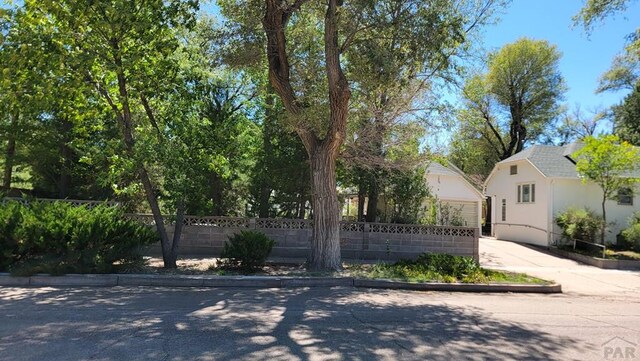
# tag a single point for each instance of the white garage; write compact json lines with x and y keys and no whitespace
{"x":455,"y":193}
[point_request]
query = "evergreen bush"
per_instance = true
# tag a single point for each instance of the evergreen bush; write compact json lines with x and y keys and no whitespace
{"x":58,"y":238}
{"x":247,"y":250}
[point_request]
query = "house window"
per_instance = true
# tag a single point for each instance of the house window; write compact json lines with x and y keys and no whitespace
{"x":513,"y":170}
{"x":504,"y":210}
{"x":526,"y":193}
{"x":625,"y":196}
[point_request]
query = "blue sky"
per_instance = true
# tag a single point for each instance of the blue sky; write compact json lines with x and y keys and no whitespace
{"x":584,"y":58}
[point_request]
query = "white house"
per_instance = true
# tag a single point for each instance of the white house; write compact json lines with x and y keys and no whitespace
{"x":450,"y":185}
{"x":529,"y":189}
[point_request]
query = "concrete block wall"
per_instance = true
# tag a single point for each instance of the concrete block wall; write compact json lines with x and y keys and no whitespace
{"x":364,"y":241}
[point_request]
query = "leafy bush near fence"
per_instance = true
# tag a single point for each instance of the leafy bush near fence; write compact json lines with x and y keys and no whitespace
{"x":631,"y":235}
{"x":58,"y":238}
{"x":580,"y":223}
{"x":247,"y":250}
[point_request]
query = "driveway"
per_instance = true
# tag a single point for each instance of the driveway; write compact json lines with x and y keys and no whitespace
{"x":575,"y":277}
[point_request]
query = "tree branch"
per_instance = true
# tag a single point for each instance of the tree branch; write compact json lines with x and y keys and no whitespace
{"x":150,"y":115}
{"x":339,"y":92}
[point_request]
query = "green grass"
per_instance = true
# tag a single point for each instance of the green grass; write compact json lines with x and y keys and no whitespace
{"x":419,"y":274}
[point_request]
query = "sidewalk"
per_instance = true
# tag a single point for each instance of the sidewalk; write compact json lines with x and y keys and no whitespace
{"x":574,"y":277}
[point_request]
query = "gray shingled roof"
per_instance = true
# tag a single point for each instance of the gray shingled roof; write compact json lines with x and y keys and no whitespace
{"x":549,"y":159}
{"x":437,"y":168}
{"x":553,"y":161}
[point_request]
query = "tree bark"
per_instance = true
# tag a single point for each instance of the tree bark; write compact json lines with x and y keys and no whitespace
{"x":325,"y":248}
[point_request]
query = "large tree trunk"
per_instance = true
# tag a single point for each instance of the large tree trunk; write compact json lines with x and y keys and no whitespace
{"x":325,"y":248}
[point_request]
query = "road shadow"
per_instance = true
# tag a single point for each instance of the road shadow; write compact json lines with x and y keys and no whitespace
{"x":257,"y":324}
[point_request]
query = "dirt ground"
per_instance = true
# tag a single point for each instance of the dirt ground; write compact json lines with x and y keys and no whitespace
{"x":196,"y":265}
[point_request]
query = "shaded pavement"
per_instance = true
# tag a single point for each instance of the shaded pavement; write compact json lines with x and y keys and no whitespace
{"x":149,"y":323}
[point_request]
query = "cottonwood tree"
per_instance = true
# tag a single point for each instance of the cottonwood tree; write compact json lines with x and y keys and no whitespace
{"x":308,"y":44}
{"x":515,"y":101}
{"x":611,"y":164}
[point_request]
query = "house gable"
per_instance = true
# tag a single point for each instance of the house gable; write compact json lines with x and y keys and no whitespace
{"x":519,"y":201}
{"x":448,"y":183}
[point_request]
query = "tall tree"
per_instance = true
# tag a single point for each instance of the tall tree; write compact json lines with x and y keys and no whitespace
{"x":306,"y":39}
{"x":522,"y":82}
{"x":611,"y":164}
{"x":122,"y":49}
{"x":323,"y":146}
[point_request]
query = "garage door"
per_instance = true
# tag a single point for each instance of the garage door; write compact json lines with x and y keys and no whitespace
{"x":468,"y":211}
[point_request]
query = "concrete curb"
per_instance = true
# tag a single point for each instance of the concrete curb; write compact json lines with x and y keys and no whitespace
{"x":597,"y":262}
{"x":459,"y":287}
{"x":111,"y":280}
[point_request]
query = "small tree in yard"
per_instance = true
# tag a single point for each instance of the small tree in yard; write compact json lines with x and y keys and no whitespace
{"x":609,"y":163}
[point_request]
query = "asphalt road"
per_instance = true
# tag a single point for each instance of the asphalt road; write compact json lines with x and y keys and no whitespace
{"x":148,"y":323}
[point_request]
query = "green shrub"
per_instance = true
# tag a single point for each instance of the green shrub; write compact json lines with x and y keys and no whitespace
{"x":581,"y":224}
{"x":631,"y":235}
{"x":10,"y":220}
{"x":58,"y":238}
{"x":448,"y":265}
{"x":247,"y":250}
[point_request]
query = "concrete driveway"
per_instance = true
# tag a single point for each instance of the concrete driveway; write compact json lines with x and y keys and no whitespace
{"x":575,"y":277}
